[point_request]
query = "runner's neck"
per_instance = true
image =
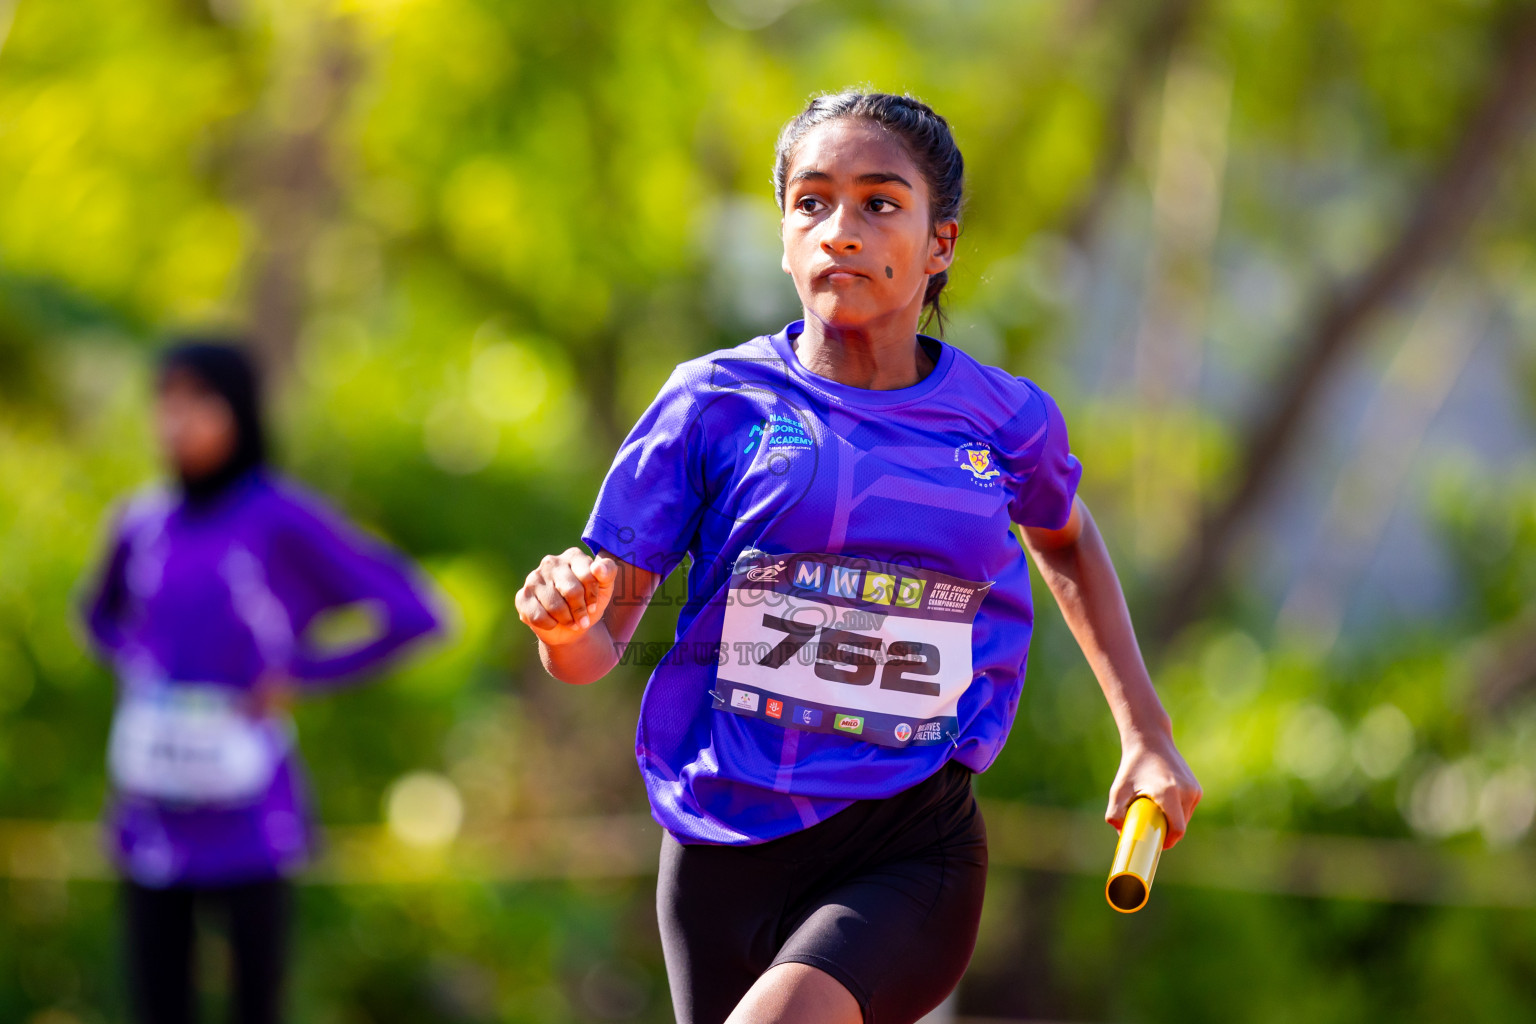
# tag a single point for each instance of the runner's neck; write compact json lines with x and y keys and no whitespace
{"x":874,"y":360}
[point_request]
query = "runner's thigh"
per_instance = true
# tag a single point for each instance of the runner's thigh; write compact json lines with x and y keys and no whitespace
{"x":900,"y":935}
{"x":717,"y":908}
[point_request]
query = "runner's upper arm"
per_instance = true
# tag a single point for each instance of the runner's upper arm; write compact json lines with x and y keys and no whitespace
{"x":1039,"y":538}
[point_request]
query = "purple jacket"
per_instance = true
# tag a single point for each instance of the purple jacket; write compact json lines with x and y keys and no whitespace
{"x":206,"y":600}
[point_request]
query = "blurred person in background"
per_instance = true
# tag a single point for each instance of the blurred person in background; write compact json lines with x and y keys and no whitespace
{"x":204,"y":607}
{"x":858,"y":618}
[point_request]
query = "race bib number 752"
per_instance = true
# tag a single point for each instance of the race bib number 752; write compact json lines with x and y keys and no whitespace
{"x":852,"y":646}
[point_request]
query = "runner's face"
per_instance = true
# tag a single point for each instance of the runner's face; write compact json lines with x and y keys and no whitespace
{"x":857,"y":239}
{"x":195,"y":425}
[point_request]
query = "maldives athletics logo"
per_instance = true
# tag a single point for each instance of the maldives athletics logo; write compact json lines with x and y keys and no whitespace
{"x":976,"y":459}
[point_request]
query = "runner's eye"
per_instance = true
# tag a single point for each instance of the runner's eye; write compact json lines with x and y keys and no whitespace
{"x":807,"y":204}
{"x":882,"y":204}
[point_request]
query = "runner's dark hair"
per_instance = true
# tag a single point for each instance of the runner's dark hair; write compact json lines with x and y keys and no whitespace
{"x":223,"y":365}
{"x":928,"y":140}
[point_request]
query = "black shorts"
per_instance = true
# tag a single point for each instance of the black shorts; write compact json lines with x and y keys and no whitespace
{"x":884,"y":896}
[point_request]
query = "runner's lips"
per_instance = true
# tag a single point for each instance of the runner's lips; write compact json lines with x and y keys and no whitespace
{"x":827,"y":273}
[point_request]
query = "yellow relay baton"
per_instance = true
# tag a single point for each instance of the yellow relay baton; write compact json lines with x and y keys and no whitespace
{"x":1141,"y":844}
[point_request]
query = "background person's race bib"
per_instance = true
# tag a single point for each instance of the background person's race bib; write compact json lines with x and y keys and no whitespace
{"x":851,"y":646}
{"x":193,"y":744}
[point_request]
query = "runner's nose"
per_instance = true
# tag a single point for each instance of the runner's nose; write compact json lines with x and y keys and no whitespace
{"x":842,"y":236}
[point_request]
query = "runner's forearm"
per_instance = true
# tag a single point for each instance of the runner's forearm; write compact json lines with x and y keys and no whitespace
{"x":584,"y":660}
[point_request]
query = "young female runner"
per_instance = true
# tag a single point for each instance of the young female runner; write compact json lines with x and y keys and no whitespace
{"x":202,"y":609}
{"x":858,"y":615}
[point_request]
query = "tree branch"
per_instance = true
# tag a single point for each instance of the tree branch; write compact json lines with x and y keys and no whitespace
{"x":1502,"y":663}
{"x":1447,"y":205}
{"x":1160,"y":35}
{"x":292,"y":189}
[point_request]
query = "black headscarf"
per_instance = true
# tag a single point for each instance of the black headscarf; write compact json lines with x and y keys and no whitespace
{"x":226,"y":369}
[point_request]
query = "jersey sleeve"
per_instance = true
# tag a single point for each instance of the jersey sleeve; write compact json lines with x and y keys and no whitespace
{"x":1045,"y":496}
{"x":341,"y":566}
{"x":105,"y":593}
{"x":104,"y":597}
{"x":652,"y":501}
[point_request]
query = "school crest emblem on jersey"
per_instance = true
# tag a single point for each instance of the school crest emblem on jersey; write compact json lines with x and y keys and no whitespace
{"x":976,"y":459}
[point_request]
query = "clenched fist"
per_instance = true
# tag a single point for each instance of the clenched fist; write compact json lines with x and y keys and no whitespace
{"x":566,"y":594}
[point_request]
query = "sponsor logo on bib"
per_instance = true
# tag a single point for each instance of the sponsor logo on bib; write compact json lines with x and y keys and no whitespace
{"x":930,"y":731}
{"x":744,"y":699}
{"x":775,"y":708}
{"x":807,"y":716}
{"x":849,"y":723}
{"x":903,"y":731}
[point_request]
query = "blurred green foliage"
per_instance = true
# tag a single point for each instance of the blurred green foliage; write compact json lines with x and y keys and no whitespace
{"x":521,"y":216}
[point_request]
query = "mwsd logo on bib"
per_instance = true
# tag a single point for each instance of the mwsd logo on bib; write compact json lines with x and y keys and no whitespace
{"x":859,"y":584}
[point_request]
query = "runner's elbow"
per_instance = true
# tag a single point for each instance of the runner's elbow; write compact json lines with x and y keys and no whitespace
{"x":569,"y":672}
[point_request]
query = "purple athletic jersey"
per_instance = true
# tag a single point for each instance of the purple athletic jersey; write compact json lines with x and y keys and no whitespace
{"x":746,"y":454}
{"x":203,"y":602}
